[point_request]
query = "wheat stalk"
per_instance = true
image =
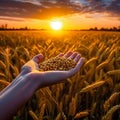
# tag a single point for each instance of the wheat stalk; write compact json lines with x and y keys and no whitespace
{"x":93,"y":86}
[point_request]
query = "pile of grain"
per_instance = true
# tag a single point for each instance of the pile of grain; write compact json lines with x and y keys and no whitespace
{"x":57,"y":63}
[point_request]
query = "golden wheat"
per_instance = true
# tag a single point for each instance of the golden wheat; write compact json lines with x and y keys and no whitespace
{"x":114,"y":72}
{"x":3,"y":82}
{"x":92,"y":86}
{"x":91,"y":61}
{"x":58,"y":117}
{"x":102,"y":65}
{"x":111,"y":100}
{"x":81,"y":114}
{"x":42,"y":109}
{"x":102,"y":53}
{"x":2,"y":65}
{"x":110,"y":113}
{"x":33,"y":115}
{"x":2,"y":75}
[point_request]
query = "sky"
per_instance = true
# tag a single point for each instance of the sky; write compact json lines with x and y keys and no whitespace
{"x":75,"y":14}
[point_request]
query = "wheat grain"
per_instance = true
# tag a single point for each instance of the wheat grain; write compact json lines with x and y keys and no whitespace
{"x":93,"y":86}
{"x":57,"y":63}
{"x":58,"y":116}
{"x":110,"y":113}
{"x":73,"y":106}
{"x":3,"y":82}
{"x":81,"y":114}
{"x":114,"y":72}
{"x":33,"y":115}
{"x":2,"y":65}
{"x":102,"y":65}
{"x":109,"y":102}
{"x":42,"y":109}
{"x":91,"y":61}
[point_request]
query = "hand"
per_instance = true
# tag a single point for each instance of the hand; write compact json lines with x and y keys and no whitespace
{"x":47,"y":78}
{"x":29,"y":80}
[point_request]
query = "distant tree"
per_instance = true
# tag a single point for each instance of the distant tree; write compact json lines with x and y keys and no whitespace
{"x":5,"y":26}
{"x":95,"y":28}
{"x":91,"y":29}
{"x":115,"y":28}
{"x":111,"y":29}
{"x":26,"y":28}
{"x":103,"y":29}
{"x":118,"y":28}
{"x":2,"y":27}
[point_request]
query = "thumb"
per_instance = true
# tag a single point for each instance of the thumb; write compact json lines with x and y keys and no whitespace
{"x":37,"y":58}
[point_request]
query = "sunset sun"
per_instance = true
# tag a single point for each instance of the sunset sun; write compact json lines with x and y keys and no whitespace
{"x":56,"y":25}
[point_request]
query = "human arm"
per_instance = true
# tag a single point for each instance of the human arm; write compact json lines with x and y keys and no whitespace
{"x":29,"y":80}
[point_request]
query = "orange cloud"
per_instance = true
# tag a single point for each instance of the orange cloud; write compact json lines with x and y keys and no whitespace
{"x":45,"y":9}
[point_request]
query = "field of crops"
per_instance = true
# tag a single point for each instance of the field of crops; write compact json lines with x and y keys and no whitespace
{"x":92,"y":94}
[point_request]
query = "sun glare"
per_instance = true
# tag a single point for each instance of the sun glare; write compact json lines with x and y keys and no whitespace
{"x":56,"y":25}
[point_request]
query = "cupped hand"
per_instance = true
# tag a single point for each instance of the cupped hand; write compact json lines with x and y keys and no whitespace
{"x":46,"y":78}
{"x":29,"y":80}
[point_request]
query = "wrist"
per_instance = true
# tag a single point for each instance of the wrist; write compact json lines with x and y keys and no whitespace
{"x":33,"y":83}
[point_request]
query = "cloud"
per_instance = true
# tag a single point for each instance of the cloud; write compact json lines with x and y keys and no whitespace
{"x":45,"y":9}
{"x":11,"y":18}
{"x":114,"y":7}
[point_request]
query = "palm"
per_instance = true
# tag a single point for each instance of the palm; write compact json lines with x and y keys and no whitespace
{"x":51,"y":77}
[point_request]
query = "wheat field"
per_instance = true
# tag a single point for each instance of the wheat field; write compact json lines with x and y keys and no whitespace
{"x":92,"y":94}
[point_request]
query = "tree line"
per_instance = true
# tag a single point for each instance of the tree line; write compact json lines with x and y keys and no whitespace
{"x":105,"y":29}
{"x":5,"y":27}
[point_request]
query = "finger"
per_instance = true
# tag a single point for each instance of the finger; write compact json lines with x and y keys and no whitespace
{"x":38,"y":58}
{"x":77,"y":67}
{"x":76,"y":59}
{"x":73,"y":55}
{"x":60,"y":55}
{"x":68,"y":54}
{"x":79,"y":64}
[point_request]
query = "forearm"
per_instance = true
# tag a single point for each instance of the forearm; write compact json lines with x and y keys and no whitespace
{"x":11,"y":84}
{"x":16,"y":96}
